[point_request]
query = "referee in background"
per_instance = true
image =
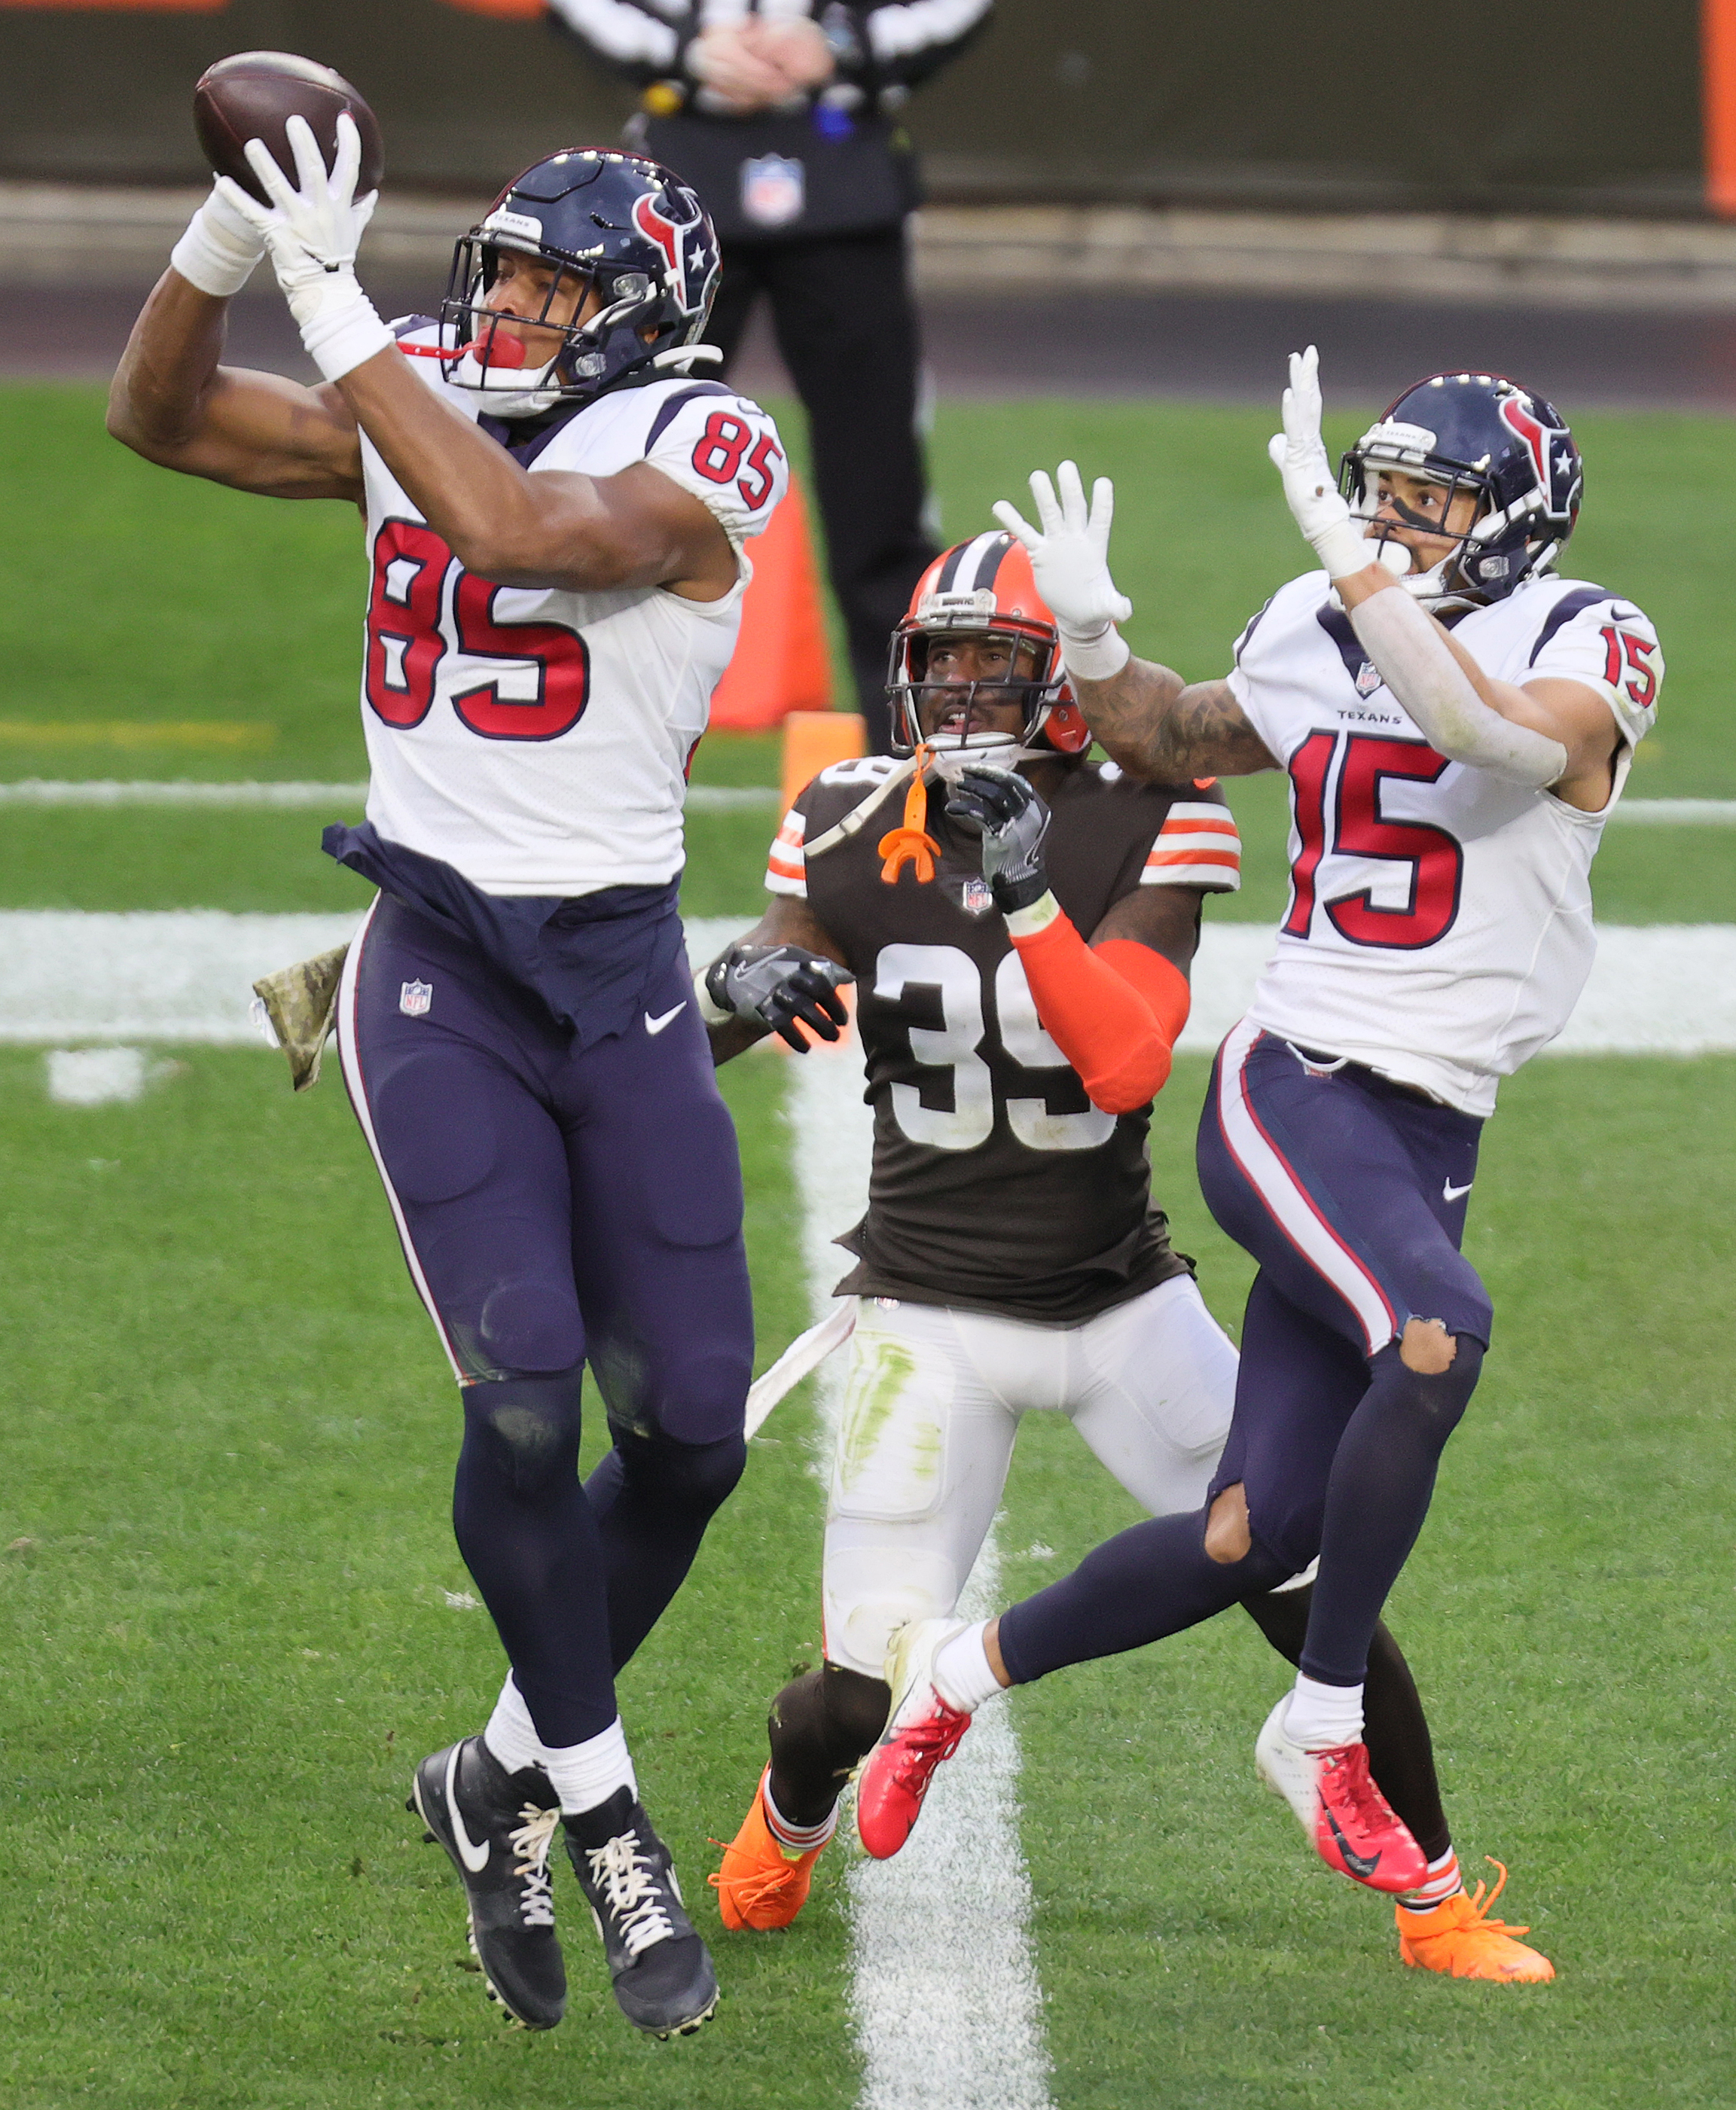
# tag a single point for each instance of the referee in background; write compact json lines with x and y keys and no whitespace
{"x":784,"y":115}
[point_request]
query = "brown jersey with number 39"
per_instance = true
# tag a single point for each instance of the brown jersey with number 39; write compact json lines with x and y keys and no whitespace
{"x":996,"y":1185}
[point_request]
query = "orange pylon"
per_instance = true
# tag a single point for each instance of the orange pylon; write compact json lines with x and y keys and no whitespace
{"x":780,"y":663}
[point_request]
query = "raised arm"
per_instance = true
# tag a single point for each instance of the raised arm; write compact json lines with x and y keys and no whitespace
{"x":1155,"y":725}
{"x":582,"y":533}
{"x":173,"y":402}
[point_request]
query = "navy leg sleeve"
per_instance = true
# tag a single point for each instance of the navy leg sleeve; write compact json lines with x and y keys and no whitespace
{"x":1382,"y":1479}
{"x":1154,"y":1579}
{"x":526,"y":1534}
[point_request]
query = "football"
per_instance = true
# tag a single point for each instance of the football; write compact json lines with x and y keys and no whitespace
{"x":253,"y":94}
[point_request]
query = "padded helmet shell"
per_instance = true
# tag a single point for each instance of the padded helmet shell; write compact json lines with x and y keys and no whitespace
{"x":627,"y":226}
{"x":985,"y":588}
{"x":1485,"y":433}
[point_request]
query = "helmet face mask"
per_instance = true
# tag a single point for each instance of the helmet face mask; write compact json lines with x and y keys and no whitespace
{"x":982,"y":592}
{"x":626,"y":228}
{"x":1485,"y":435}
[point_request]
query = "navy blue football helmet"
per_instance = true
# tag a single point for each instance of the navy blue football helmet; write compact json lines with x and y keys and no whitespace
{"x":626,"y":226}
{"x":1484,"y":433}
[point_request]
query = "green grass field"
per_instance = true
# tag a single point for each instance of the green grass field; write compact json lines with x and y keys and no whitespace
{"x":225,"y":1563}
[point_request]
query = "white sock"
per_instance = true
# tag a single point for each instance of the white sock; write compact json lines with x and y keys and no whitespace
{"x":962,"y":1674}
{"x":1321,"y":1717}
{"x":511,"y":1735}
{"x":1445,"y":1881}
{"x":798,"y":1838}
{"x":586,"y":1774}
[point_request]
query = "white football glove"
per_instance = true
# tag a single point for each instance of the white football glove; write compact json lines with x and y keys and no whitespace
{"x":313,"y":229}
{"x":1070,"y":557}
{"x":1310,"y":489}
{"x":219,"y":249}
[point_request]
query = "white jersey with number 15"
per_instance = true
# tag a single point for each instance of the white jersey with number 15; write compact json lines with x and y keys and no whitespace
{"x":1439,"y":924}
{"x":538,"y":740}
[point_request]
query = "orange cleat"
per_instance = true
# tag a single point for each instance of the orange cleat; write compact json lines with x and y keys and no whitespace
{"x":761,"y":1884}
{"x":1460,"y":1937}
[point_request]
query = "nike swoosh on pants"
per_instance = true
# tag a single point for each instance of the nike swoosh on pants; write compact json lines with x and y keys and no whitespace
{"x":657,"y":1025}
{"x":1450,"y":1193}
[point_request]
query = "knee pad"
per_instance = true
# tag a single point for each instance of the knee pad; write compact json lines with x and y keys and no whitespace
{"x":693,"y":1480}
{"x":526,"y":1428}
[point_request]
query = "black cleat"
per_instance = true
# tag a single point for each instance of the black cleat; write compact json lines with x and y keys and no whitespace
{"x":498,"y":1826}
{"x":664,"y":1982}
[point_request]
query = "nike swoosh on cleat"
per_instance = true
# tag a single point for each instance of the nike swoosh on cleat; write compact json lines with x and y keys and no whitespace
{"x":1358,"y":1864}
{"x":475,"y":1859}
{"x":654,"y":1026}
{"x":1450,"y":1193}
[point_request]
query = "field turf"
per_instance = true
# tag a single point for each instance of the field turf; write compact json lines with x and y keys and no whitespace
{"x":227,"y":1580}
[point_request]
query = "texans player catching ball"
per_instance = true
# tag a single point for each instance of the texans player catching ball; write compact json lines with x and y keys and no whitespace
{"x":1457,"y":721}
{"x":1021,"y":944}
{"x":556,"y":513}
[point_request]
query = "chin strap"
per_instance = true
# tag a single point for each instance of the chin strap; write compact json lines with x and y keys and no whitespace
{"x":911,"y":843}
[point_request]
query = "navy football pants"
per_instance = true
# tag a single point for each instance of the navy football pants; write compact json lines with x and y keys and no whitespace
{"x":1350,"y":1192}
{"x":558,"y":1208}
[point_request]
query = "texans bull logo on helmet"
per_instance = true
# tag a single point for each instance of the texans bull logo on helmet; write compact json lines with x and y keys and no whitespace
{"x":687,"y":241}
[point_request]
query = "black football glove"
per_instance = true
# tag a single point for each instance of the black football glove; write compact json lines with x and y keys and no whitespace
{"x":1013,"y":820}
{"x":779,"y":985}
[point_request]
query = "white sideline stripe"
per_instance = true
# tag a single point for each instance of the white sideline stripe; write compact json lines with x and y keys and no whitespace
{"x":718,"y":798}
{"x":1291,"y":1206}
{"x":183,"y":791}
{"x":1678,"y":812}
{"x":944,"y":1993}
{"x":1662,"y":989}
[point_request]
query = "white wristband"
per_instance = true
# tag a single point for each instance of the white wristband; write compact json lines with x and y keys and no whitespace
{"x":217,"y":253}
{"x":1028,"y":922}
{"x":1417,"y":663}
{"x":343,"y":331}
{"x":1100,"y":657}
{"x":1343,"y":549}
{"x":712,"y":1014}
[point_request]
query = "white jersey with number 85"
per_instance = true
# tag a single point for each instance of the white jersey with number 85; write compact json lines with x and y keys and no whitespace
{"x":537,"y":740}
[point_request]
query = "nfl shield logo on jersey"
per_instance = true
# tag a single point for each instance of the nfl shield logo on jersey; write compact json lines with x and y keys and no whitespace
{"x":414,"y":997}
{"x":975,"y":897}
{"x":1367,"y":678}
{"x":774,"y":189}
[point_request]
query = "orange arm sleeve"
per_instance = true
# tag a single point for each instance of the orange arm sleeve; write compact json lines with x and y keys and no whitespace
{"x":1114,"y":1011}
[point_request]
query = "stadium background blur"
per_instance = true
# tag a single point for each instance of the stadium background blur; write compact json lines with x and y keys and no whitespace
{"x":230,"y":1613}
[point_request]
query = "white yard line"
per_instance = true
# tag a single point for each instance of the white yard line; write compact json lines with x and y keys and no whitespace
{"x":715,"y":797}
{"x":1657,"y":988}
{"x":944,"y":1993}
{"x":1678,"y":812}
{"x":183,"y":791}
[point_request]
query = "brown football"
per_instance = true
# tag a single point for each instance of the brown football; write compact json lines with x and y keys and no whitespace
{"x":253,"y":95}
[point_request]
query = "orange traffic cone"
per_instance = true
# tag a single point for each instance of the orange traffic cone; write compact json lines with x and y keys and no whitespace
{"x":780,"y":663}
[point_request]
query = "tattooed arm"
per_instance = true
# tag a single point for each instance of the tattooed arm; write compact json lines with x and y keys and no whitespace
{"x":1159,"y":727}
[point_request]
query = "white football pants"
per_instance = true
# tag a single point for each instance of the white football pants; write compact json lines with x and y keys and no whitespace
{"x":931,"y":1404}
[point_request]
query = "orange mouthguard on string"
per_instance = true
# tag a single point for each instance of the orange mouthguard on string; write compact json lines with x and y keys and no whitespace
{"x":912,"y":844}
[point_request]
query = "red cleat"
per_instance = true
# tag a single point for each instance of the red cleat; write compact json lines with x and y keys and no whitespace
{"x":1356,"y":1829}
{"x":922,"y":1730}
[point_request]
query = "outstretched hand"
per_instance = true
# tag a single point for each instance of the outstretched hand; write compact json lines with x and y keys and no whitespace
{"x":314,"y":226}
{"x":1070,"y":551}
{"x":1299,"y":453}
